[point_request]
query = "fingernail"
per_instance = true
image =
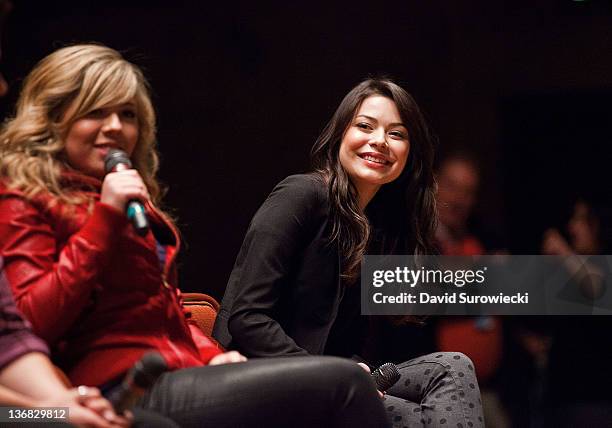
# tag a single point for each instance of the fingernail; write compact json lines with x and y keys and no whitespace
{"x":82,"y":390}
{"x":109,"y":415}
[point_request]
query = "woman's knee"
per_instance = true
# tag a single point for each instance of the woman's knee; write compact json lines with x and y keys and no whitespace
{"x":318,"y":370}
{"x":458,"y":370}
{"x":340,"y":374}
{"x":455,"y":363}
{"x":455,"y":359}
{"x":441,"y":368}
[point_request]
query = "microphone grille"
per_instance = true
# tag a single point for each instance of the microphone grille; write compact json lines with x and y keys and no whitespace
{"x":386,"y":376}
{"x":115,"y":157}
{"x":148,"y":369}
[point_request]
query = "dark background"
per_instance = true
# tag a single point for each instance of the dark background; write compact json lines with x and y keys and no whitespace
{"x":242,"y":90}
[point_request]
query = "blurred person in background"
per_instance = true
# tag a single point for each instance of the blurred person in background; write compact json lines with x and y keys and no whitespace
{"x":458,"y":179}
{"x":480,"y":338}
{"x":579,"y":372}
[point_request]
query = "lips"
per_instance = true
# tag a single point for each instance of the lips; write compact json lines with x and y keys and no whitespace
{"x":375,"y":158}
{"x":110,"y":145}
{"x":105,"y":147}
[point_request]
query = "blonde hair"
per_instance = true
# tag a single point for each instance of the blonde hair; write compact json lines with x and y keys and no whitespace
{"x":63,"y":87}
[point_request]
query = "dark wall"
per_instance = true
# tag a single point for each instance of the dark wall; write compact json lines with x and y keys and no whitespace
{"x":242,"y":89}
{"x":556,"y":149}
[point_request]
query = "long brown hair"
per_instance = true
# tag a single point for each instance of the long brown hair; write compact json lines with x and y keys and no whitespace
{"x":401,"y":218}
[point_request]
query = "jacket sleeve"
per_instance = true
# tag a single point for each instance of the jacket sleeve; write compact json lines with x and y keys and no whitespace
{"x":16,"y":339}
{"x":271,"y":249}
{"x":52,"y":287}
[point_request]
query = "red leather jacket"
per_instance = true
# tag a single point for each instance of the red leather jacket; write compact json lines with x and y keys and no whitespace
{"x":94,"y":289}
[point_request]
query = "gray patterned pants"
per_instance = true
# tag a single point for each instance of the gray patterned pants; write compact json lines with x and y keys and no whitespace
{"x":436,"y":390}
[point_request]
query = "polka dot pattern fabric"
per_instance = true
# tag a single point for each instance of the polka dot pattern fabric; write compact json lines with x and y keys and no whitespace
{"x":436,"y":390}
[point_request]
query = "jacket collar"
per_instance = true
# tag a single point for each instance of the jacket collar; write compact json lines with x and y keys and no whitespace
{"x":78,"y":180}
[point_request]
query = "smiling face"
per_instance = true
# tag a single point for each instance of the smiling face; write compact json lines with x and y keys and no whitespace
{"x":90,"y":137}
{"x":375,"y":146}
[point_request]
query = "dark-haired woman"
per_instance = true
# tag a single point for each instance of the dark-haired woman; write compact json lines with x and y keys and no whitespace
{"x":371,"y":190}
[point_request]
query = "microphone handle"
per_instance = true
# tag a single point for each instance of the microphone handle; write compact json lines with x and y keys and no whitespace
{"x":116,"y":395}
{"x":128,"y":401}
{"x":135,"y":210}
{"x":136,"y":213}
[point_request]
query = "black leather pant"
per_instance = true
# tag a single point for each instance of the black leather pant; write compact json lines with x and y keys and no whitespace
{"x":279,"y":392}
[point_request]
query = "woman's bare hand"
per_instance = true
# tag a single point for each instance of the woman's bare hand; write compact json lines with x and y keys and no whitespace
{"x":120,"y":187}
{"x":227,"y":358}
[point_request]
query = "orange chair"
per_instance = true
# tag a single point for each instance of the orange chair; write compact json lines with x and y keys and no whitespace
{"x":203,"y":309}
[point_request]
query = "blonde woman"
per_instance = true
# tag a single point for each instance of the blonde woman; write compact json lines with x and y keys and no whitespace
{"x":102,"y":295}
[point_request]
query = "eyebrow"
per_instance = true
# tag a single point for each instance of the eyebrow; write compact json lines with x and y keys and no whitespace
{"x":375,"y":120}
{"x":130,"y":104}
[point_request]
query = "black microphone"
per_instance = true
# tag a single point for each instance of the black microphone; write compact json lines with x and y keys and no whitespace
{"x":140,"y":377}
{"x":118,"y":160}
{"x":386,"y":376}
